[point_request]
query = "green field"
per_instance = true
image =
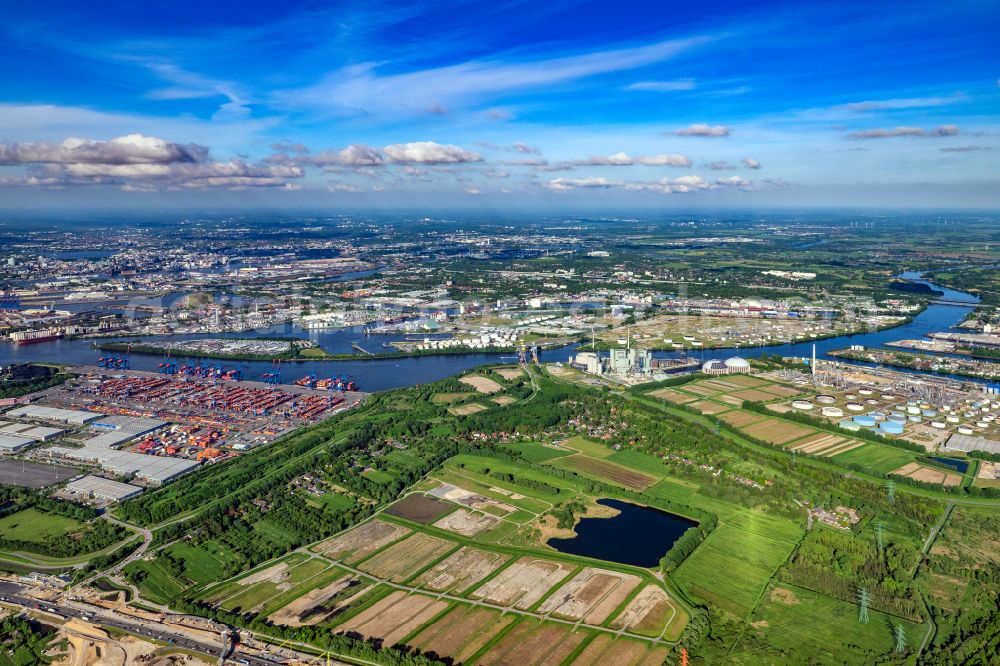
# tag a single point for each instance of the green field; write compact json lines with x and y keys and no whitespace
{"x":639,"y":461}
{"x":878,"y":458}
{"x":589,"y":447}
{"x":734,"y":564}
{"x":806,"y":627}
{"x":536,"y":453}
{"x":154,"y":583}
{"x":36,"y":526}
{"x":202,"y":564}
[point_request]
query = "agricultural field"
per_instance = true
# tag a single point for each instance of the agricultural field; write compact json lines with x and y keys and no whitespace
{"x":536,"y":453}
{"x":826,"y":445}
{"x":749,"y":555}
{"x":481,"y":384}
{"x":402,"y":560}
{"x":448,"y":398}
{"x":361,"y":541}
{"x":462,"y":632}
{"x":928,"y":474}
{"x":523,"y":583}
{"x":465,"y":410}
{"x":776,"y":431}
{"x":882,"y":459}
{"x":606,"y":471}
{"x":591,"y":595}
{"x":465,"y":523}
{"x":394,"y":617}
{"x":588,"y":447}
{"x":419,"y":508}
{"x":461,"y":570}
{"x":795,"y":625}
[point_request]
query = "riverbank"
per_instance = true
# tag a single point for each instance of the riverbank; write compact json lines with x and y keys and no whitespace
{"x":303,"y":355}
{"x":962,"y":367}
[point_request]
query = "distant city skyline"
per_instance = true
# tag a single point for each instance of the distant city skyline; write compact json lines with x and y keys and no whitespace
{"x":561,"y":105}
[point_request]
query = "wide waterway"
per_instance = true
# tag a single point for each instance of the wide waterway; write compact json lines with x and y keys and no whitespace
{"x":382,"y":374}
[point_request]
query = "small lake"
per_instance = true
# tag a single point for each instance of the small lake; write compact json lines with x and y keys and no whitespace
{"x":960,"y":466}
{"x":638,"y":536}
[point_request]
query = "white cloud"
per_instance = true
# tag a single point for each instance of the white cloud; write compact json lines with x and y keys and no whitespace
{"x":679,"y":185}
{"x":883,"y":133}
{"x":130,"y":149}
{"x":137,"y":162}
{"x":566,"y":184}
{"x":900,"y":103}
{"x":963,"y":149}
{"x":662,"y":86}
{"x":624,"y":159}
{"x":429,"y":152}
{"x":361,"y":89}
{"x":751,"y":163}
{"x":359,"y":155}
{"x":703,"y":129}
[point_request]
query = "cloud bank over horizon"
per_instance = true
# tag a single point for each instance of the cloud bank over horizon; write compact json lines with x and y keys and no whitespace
{"x":457,"y":103}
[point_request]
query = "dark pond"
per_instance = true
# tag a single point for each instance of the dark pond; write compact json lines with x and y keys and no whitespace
{"x":639,"y":535}
{"x":957,"y":465}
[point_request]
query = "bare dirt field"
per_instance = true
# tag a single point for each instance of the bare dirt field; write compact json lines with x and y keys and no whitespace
{"x":307,"y":609}
{"x":465,"y":410}
{"x":533,"y":643}
{"x":647,"y":613}
{"x":465,"y":522}
{"x":739,"y":419}
{"x":461,"y":633}
{"x":274,"y":574}
{"x":361,"y":541}
{"x":393,"y":617}
{"x":673,"y":396}
{"x":523,"y":583}
{"x":470,"y":499}
{"x":823,"y":444}
{"x":448,"y":398}
{"x":918,"y":472}
{"x":510,"y":373}
{"x":481,"y":384}
{"x":419,"y":508}
{"x":776,"y":431}
{"x":461,"y":570}
{"x":503,"y":400}
{"x":754,"y":395}
{"x":591,"y":595}
{"x":622,"y":652}
{"x":400,"y":561}
{"x":709,"y":407}
{"x":606,"y":470}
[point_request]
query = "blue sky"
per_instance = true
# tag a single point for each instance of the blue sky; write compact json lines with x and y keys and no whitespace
{"x":503,"y":104}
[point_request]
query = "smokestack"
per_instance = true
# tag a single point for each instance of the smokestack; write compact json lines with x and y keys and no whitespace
{"x":814,"y":361}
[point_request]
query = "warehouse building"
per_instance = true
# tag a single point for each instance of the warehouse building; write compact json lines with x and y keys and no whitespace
{"x":967,"y":443}
{"x":154,"y":470}
{"x":38,"y":433}
{"x":12,"y":443}
{"x":96,"y":487}
{"x":54,"y":414}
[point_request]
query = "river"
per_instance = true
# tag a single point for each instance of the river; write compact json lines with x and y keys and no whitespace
{"x":383,"y":374}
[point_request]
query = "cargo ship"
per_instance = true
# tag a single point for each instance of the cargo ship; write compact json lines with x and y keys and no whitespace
{"x":34,"y":337}
{"x":331,"y":384}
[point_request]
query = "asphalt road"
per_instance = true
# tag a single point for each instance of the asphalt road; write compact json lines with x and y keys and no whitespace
{"x":12,"y":593}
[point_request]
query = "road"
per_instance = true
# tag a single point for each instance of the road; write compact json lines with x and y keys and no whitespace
{"x":12,"y":593}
